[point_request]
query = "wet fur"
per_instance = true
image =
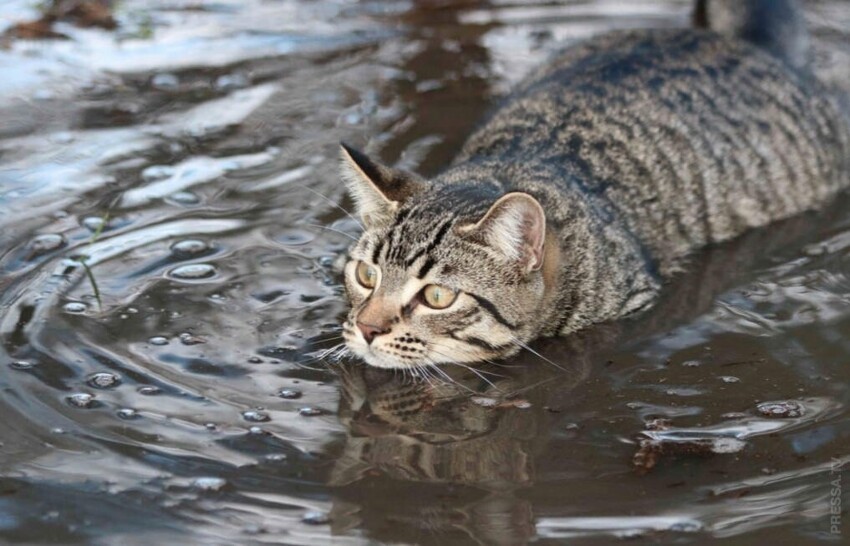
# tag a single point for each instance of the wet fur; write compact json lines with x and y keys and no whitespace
{"x":640,"y":147}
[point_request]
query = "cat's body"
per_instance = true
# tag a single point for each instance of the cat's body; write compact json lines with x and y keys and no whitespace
{"x":589,"y":186}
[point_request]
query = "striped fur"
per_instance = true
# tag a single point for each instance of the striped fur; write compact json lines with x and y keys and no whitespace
{"x":640,"y":146}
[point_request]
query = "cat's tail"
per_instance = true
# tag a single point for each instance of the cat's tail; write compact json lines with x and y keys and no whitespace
{"x":775,"y":25}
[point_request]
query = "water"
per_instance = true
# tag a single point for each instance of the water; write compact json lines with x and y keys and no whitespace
{"x":188,"y":159}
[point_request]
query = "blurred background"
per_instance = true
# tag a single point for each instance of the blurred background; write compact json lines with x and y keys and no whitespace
{"x":170,"y":218}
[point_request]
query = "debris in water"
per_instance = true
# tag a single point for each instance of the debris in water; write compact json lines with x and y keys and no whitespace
{"x":783,"y":409}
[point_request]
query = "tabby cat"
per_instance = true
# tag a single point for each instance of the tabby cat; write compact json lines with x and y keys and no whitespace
{"x":589,"y":186}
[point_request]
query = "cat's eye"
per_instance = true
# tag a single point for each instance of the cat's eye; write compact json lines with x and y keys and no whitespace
{"x":367,"y":275}
{"x":438,"y":297}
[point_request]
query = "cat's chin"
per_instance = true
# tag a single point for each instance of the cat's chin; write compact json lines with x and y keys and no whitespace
{"x":387,"y":362}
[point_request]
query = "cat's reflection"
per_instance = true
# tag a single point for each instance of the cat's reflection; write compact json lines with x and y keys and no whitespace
{"x":482,"y":428}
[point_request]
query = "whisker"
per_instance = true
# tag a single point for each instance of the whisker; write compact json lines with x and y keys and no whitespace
{"x":532,"y":351}
{"x":352,"y":237}
{"x":334,"y":203}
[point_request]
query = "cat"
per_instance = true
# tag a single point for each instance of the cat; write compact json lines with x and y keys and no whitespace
{"x":590,"y":185}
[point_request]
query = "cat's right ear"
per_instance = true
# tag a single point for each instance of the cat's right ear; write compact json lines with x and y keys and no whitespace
{"x":378,"y":191}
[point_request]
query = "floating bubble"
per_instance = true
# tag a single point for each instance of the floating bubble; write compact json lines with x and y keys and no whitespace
{"x":47,"y":242}
{"x":158,"y":340}
{"x":289,"y":394}
{"x":316,"y":518}
{"x":81,"y":400}
{"x":165,"y":81}
{"x":782,"y":409}
{"x":190,"y":339}
{"x":191,"y":272}
{"x":189,"y":248}
{"x":93,"y":223}
{"x":75,"y":307}
{"x":184,"y":198}
{"x":310,"y":412}
{"x":729,"y":379}
{"x":157,"y":172}
{"x":228,"y":82}
{"x":127,"y":414}
{"x":275,"y":457}
{"x":22,"y":365}
{"x":149,"y":390}
{"x":104,"y":380}
{"x":255,"y":416}
{"x":209,"y":483}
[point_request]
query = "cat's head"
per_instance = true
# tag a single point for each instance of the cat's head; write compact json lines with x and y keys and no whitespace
{"x":443,"y":272}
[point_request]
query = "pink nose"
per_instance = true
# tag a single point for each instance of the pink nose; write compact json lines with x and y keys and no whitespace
{"x":370,"y":331}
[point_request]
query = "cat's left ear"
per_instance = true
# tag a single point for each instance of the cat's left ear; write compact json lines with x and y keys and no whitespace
{"x":515,"y":226}
{"x":378,"y":191}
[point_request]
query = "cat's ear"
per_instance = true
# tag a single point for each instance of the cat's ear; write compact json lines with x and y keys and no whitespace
{"x":378,"y":191}
{"x":515,"y":226}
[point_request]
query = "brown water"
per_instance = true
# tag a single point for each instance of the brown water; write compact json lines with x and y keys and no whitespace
{"x":193,"y":405}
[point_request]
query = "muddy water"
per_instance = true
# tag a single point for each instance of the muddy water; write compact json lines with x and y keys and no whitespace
{"x":187,"y":161}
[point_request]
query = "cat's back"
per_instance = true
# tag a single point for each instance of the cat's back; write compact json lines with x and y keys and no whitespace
{"x":686,"y":136}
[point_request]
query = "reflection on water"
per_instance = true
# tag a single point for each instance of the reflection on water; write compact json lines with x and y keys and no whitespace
{"x":190,"y":155}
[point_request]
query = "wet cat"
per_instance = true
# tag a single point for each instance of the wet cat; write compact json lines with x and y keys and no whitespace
{"x":588,"y":187}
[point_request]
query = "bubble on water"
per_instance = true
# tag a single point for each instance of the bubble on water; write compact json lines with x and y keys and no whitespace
{"x":691,"y":363}
{"x":149,"y":390}
{"x":189,"y":247}
{"x":295,"y":237}
{"x":22,"y":365}
{"x":310,"y":411}
{"x":93,"y":223}
{"x":316,"y":518}
{"x":192,"y":272}
{"x":255,"y":416}
{"x":183,"y":198}
{"x":75,"y":307}
{"x":158,"y":340}
{"x":81,"y":400}
{"x":255,"y":360}
{"x":46,"y":242}
{"x":289,"y":394}
{"x":227,"y":82}
{"x":209,"y":483}
{"x":128,"y":414}
{"x":210,"y":426}
{"x":782,"y":409}
{"x":275,"y":457}
{"x":256,"y":430}
{"x":157,"y":172}
{"x":190,"y":339}
{"x":104,"y":380}
{"x":165,"y":81}
{"x":730,"y":379}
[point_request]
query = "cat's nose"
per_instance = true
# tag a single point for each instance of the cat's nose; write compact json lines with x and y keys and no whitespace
{"x":370,"y":331}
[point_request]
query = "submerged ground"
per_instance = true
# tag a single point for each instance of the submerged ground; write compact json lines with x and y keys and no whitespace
{"x":187,"y":159}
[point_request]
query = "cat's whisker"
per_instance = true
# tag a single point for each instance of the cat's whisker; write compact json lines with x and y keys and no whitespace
{"x":334,"y":203}
{"x":525,"y":346}
{"x":352,"y":237}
